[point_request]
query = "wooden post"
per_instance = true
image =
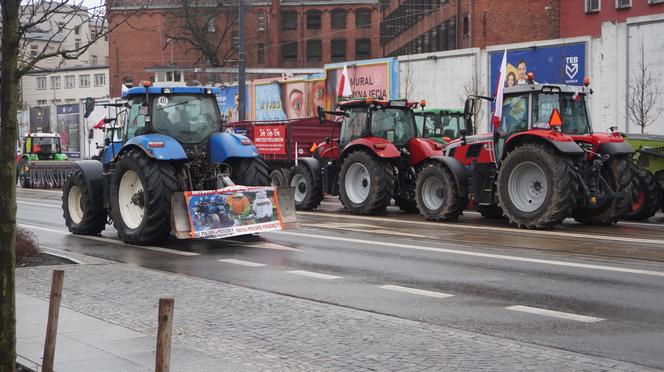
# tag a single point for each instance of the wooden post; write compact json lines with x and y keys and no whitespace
{"x":164,"y":335}
{"x":52,"y":323}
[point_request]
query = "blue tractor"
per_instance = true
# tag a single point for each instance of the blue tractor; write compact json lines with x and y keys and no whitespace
{"x":171,"y":141}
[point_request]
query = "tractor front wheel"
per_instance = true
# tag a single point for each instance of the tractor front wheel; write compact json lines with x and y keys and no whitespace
{"x":366,"y":183}
{"x":308,"y":192}
{"x":535,"y":187}
{"x":648,"y":195}
{"x":250,"y":172}
{"x":616,"y":171}
{"x":437,"y":194}
{"x":141,"y":191}
{"x":78,"y":208}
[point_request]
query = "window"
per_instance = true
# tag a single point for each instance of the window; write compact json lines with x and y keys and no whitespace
{"x":363,"y":48}
{"x":77,"y":43}
{"x":93,"y":60}
{"x":466,"y":25}
{"x":128,"y":81}
{"x":33,"y":51}
{"x":211,"y":25}
{"x":41,"y":82}
{"x":621,"y":4}
{"x":655,"y":2}
{"x":235,"y":40}
{"x":260,"y":21}
{"x":42,"y":102}
{"x":55,"y":82}
{"x":289,"y":51}
{"x":173,"y":76}
{"x":261,"y":53}
{"x":93,"y":34}
{"x":70,"y":81}
{"x":362,"y":18}
{"x":338,"y":19}
{"x":100,"y":80}
{"x":84,"y":81}
{"x":515,"y":114}
{"x":77,"y":30}
{"x":106,"y":60}
{"x":314,"y":50}
{"x":338,"y":49}
{"x":289,"y":21}
{"x":592,"y":6}
{"x":313,"y":19}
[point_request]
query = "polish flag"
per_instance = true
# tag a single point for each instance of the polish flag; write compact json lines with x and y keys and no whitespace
{"x":498,"y":110}
{"x":100,"y":124}
{"x":344,"y":84}
{"x":577,"y":96}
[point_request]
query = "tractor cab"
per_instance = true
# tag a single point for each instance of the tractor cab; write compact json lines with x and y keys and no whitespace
{"x":442,"y":125}
{"x":43,"y":146}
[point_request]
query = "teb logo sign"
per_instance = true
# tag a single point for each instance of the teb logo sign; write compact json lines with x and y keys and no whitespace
{"x":571,"y":67}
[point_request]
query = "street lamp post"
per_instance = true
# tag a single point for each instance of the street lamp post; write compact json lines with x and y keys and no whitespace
{"x":241,"y":64}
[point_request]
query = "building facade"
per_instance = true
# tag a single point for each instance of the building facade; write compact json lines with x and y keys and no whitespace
{"x":578,"y":18}
{"x":416,"y":26}
{"x":279,"y":34}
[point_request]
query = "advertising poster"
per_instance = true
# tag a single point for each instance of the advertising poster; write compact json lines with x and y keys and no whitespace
{"x":68,"y":127}
{"x":40,"y":119}
{"x":289,"y":99}
{"x":270,"y":139}
{"x":228,"y":102}
{"x":373,"y":78}
{"x":232,"y":211}
{"x":268,"y":103}
{"x":557,"y":64}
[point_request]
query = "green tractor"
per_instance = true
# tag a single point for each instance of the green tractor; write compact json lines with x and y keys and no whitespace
{"x":649,"y":170}
{"x":42,"y":163}
{"x":441,"y":125}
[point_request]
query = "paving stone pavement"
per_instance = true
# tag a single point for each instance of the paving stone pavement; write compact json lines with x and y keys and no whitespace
{"x":254,"y":330}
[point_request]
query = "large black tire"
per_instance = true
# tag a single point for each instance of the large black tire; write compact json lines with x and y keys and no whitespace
{"x":277,"y":178}
{"x":308,"y":192}
{"x":81,"y":218}
{"x":648,"y":195}
{"x":250,"y":171}
{"x":158,"y":181}
{"x":406,"y":205}
{"x":376,"y":181}
{"x":437,"y":194}
{"x":659,"y":176}
{"x":544,"y":195}
{"x":490,"y":211}
{"x":621,"y":179}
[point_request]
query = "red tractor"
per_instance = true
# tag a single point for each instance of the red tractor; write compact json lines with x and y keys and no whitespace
{"x":542,"y":165}
{"x":377,"y":157}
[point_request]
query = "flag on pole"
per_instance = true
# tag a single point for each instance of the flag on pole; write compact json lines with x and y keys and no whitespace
{"x":577,"y":96}
{"x":100,"y":124}
{"x":498,"y":110}
{"x":344,"y":84}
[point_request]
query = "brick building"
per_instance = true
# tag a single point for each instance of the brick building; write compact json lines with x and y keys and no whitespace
{"x":279,"y":34}
{"x":586,"y":17}
{"x":417,"y":26}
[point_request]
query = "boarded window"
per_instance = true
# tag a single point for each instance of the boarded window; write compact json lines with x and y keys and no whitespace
{"x":314,"y":50}
{"x":362,"y":17}
{"x":313,"y":19}
{"x":363,"y":48}
{"x":338,"y":49}
{"x":338,"y":19}
{"x":289,"y":21}
{"x":289,"y":51}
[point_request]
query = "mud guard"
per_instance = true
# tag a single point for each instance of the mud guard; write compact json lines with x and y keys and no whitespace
{"x":615,"y":148}
{"x":168,"y":148}
{"x":230,"y":145}
{"x":458,"y":171}
{"x":93,"y":174}
{"x":564,"y":144}
{"x":314,"y":166}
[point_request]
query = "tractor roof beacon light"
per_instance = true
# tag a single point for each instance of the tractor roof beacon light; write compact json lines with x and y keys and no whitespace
{"x":531,"y":78}
{"x":423,"y":103}
{"x":586,"y":81}
{"x":146,"y":84}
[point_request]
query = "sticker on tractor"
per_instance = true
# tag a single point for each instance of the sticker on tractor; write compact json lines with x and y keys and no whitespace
{"x":233,"y":211}
{"x":162,"y":101}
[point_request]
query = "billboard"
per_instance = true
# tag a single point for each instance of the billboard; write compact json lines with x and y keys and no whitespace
{"x":270,"y":139}
{"x":40,"y":119}
{"x":377,"y":78}
{"x":228,"y":102}
{"x":68,"y":126}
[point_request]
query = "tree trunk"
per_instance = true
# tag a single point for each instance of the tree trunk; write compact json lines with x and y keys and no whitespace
{"x":8,"y":136}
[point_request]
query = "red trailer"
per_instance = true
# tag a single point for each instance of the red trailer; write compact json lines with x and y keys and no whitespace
{"x":280,"y":143}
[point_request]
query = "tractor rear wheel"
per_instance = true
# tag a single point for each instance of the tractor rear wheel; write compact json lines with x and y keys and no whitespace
{"x":141,"y":191}
{"x":366,"y":183}
{"x":78,"y":209}
{"x":535,"y":187}
{"x":250,"y":171}
{"x":277,"y":178}
{"x":648,"y":195}
{"x":617,"y":173}
{"x":308,"y":192}
{"x":490,"y":211}
{"x":437,"y":194}
{"x":659,"y":176}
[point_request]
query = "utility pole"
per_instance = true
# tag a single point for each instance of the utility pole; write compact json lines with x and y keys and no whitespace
{"x":241,"y":64}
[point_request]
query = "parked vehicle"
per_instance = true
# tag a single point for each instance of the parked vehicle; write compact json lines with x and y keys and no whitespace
{"x":442,"y":125}
{"x":649,"y":174}
{"x":42,"y":163}
{"x":542,"y":164}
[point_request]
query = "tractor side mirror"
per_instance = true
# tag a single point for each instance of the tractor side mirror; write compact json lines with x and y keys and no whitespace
{"x":91,"y":133}
{"x":89,"y":106}
{"x":468,"y":112}
{"x":321,"y":114}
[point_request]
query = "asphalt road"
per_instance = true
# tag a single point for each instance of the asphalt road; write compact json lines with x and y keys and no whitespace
{"x":592,"y":290}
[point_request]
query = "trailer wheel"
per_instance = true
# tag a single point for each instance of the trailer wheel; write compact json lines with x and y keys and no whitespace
{"x":617,"y":173}
{"x":490,"y":211}
{"x":277,"y":178}
{"x":250,"y":171}
{"x":308,"y":193}
{"x":648,"y":195}
{"x":437,"y":194}
{"x":141,"y":191}
{"x":535,"y":187}
{"x":78,"y":208}
{"x":366,"y":183}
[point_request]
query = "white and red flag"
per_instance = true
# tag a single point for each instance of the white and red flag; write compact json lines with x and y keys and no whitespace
{"x":344,"y":84}
{"x":498,"y":109}
{"x":577,"y":96}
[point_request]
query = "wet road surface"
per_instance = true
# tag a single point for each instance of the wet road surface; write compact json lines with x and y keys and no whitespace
{"x":592,"y":290}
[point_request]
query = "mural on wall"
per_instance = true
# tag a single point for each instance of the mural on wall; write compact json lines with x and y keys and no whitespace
{"x":371,"y":78}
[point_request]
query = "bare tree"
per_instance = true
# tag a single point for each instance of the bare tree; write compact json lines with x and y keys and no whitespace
{"x":644,"y":96}
{"x":473,"y":87}
{"x":407,"y":80}
{"x":20,"y":17}
{"x":205,"y":26}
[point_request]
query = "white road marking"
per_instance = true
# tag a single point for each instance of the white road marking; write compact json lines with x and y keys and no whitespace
{"x":555,"y":314}
{"x":354,"y":227}
{"x":478,"y":254}
{"x":312,"y":274}
{"x":243,"y":263}
{"x":112,"y":241}
{"x":511,"y":230}
{"x":416,"y":291}
{"x":59,"y":191}
{"x":38,"y":204}
{"x":265,"y":245}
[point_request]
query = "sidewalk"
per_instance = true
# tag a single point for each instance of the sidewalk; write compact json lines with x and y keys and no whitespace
{"x":109,"y":314}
